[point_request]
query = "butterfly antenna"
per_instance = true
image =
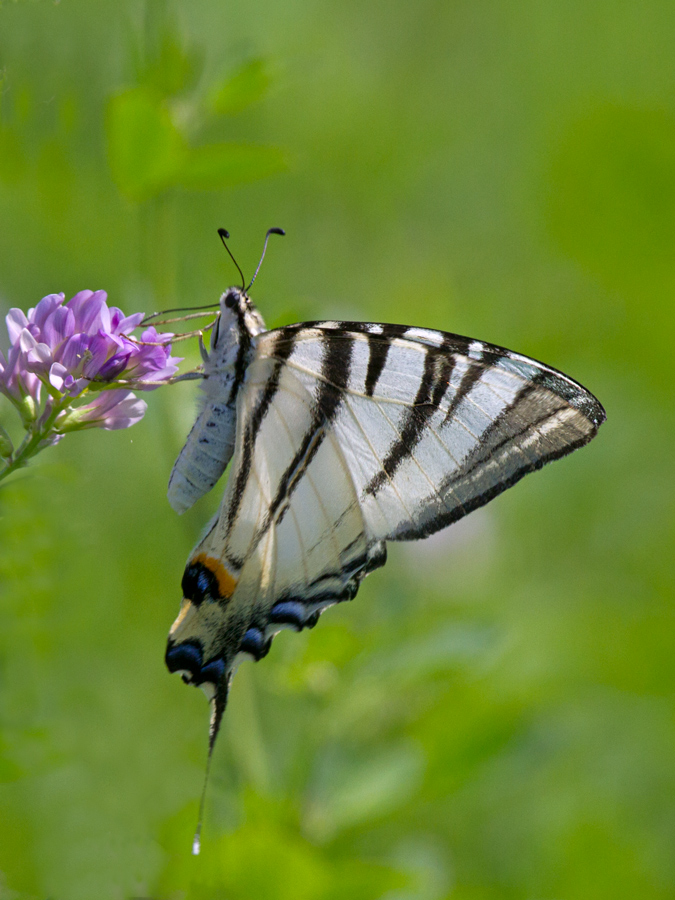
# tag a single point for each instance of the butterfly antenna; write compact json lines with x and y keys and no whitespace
{"x":225,"y":236}
{"x":219,"y":703}
{"x":165,"y":312}
{"x":267,"y":237}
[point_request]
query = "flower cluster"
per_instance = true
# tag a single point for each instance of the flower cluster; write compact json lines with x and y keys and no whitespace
{"x":61,"y":353}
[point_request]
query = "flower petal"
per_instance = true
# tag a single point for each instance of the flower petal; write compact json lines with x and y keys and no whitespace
{"x":101,"y":346}
{"x":45,"y":308}
{"x":58,"y":375}
{"x":78,"y":303}
{"x":112,"y":410}
{"x":89,"y":341}
{"x":74,"y":352}
{"x":121,"y":324}
{"x":16,"y":321}
{"x":37,"y":356}
{"x":58,"y":326}
{"x":91,"y":311}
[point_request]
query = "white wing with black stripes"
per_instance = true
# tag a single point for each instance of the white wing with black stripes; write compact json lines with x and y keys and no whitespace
{"x":433,"y":425}
{"x":349,"y":435}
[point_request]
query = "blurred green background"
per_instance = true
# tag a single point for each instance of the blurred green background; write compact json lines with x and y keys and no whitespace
{"x":493,"y":716}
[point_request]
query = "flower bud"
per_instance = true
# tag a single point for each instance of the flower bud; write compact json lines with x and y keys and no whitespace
{"x":27,"y":409}
{"x":6,"y":446}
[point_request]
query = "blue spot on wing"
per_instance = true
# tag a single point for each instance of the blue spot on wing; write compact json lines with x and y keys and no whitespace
{"x":288,"y":612}
{"x":255,"y":644}
{"x":253,"y":641}
{"x":186,"y":656}
{"x":211,"y":672}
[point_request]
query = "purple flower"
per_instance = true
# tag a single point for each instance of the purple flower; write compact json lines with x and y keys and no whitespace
{"x":110,"y":410}
{"x":65,"y":349}
{"x":15,"y":381}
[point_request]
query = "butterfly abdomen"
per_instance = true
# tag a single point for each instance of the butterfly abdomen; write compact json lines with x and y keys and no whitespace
{"x":204,"y":457}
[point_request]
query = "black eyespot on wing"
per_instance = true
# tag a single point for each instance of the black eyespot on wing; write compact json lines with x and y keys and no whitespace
{"x":199,"y":583}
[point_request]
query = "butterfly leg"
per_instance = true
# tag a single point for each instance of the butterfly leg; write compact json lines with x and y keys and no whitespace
{"x":194,"y":375}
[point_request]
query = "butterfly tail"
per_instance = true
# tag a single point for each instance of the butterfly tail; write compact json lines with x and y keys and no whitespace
{"x":218,"y":704}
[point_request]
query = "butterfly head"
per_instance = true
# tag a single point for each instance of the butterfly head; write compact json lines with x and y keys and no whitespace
{"x":237,"y":317}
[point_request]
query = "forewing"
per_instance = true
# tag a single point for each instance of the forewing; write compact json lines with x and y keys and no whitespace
{"x":432,"y":425}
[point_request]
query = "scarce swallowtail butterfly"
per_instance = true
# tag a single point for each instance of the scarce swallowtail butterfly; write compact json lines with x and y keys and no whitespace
{"x":342,"y":436}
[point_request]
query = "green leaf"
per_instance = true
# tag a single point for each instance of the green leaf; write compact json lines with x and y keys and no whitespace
{"x":145,"y":149}
{"x":217,"y":166}
{"x":246,"y":86}
{"x":174,"y":69}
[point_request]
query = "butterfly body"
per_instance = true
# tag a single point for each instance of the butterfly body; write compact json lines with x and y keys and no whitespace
{"x":343,"y":435}
{"x":210,"y":444}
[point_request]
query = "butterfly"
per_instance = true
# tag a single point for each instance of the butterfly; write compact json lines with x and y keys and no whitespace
{"x":342,"y":436}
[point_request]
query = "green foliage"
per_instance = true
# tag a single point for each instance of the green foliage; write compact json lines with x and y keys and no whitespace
{"x":146,"y":150}
{"x":246,"y":86}
{"x":149,"y":154}
{"x":267,"y":856}
{"x":151,"y":127}
{"x":492,"y":717}
{"x":614,"y":200}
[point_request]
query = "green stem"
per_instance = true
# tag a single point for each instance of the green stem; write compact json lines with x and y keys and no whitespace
{"x":31,"y":443}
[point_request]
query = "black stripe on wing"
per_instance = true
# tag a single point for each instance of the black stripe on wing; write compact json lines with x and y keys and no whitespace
{"x":433,"y":386}
{"x":574,"y":394}
{"x":444,"y":342}
{"x":330,"y":391}
{"x":510,"y":439}
{"x":301,"y":608}
{"x":282,"y":350}
{"x":469,"y":379}
{"x":443,"y":352}
{"x":377,"y":358}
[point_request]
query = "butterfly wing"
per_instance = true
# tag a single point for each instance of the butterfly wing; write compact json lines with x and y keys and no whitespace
{"x":349,"y":435}
{"x":354,"y":434}
{"x":432,"y":425}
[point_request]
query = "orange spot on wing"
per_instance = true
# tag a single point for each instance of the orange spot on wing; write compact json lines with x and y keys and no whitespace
{"x":226,"y":582}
